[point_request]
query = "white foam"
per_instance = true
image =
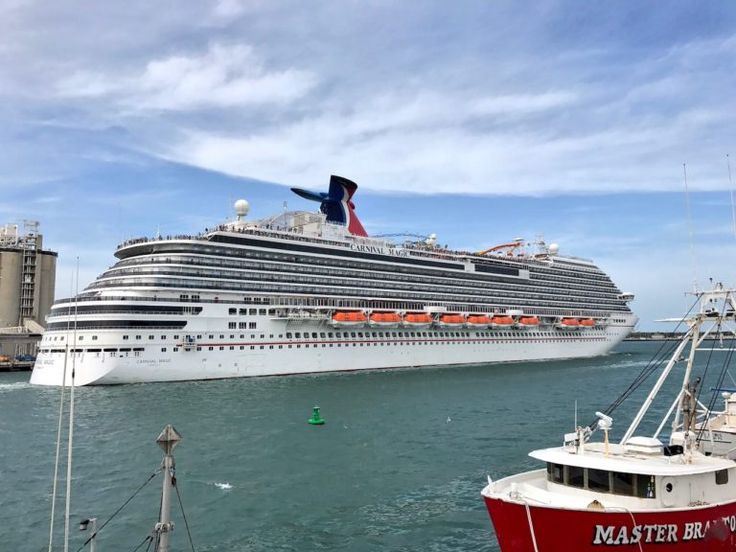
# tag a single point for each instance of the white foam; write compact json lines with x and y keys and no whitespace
{"x":224,"y":486}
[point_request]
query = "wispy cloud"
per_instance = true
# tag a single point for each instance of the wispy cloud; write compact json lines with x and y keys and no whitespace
{"x":224,"y":76}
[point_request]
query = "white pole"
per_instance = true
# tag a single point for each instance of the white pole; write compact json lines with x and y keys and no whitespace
{"x":657,"y":386}
{"x":71,"y":422}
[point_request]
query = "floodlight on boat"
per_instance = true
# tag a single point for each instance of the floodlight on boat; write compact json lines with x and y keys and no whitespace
{"x":605,"y":422}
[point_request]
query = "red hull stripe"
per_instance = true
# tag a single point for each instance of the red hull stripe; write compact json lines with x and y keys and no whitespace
{"x":698,"y":529}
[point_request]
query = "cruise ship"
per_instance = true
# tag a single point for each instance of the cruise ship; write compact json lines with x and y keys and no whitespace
{"x":305,"y":292}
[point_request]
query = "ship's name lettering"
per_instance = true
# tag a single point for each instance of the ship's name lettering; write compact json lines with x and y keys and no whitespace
{"x":613,"y":535}
{"x":378,"y":249}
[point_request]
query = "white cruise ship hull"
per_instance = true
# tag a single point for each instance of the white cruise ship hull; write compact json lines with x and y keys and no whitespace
{"x":257,"y":354}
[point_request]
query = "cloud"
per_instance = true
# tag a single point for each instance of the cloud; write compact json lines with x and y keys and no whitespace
{"x":225,"y":76}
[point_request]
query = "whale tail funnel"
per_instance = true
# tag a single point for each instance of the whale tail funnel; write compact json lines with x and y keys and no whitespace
{"x":337,"y":204}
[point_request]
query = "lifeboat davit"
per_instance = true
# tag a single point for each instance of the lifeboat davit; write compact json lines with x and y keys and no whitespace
{"x":568,"y":324}
{"x":587,"y":323}
{"x":348,"y":318}
{"x":502,"y":322}
{"x":528,"y":322}
{"x":416,"y":320}
{"x":384,"y":319}
{"x":478,"y":321}
{"x":451,"y":320}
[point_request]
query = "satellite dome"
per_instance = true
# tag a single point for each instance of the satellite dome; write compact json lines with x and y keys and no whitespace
{"x":241,"y":208}
{"x":554,"y":249}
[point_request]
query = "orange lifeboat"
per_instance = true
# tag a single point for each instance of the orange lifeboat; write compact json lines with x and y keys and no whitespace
{"x":478,"y":321}
{"x":587,"y":323}
{"x":348,"y":318}
{"x":384,"y":319}
{"x":528,"y":321}
{"x":452,"y":320}
{"x":417,"y":319}
{"x":568,"y":324}
{"x":502,"y":322}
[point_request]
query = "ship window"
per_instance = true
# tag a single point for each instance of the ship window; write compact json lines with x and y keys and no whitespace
{"x":243,"y":311}
{"x":288,"y":336}
{"x":231,"y":325}
{"x":314,"y":335}
{"x":211,"y":348}
{"x":222,"y":336}
{"x":94,"y":338}
{"x":360,"y":334}
{"x":210,"y":336}
{"x":199,"y":348}
{"x":176,"y":337}
{"x":261,"y":311}
{"x":232,"y":336}
{"x":163,"y":337}
{"x":721,"y":477}
{"x":598,"y":481}
{"x":251,"y":325}
{"x":232,"y":311}
{"x":644,"y":486}
{"x":330,"y":335}
{"x":297,"y":335}
{"x":252,"y":311}
{"x":352,"y":334}
{"x":81,"y":338}
{"x":176,"y":349}
{"x":555,"y":473}
{"x":575,"y":476}
{"x":322,"y":334}
{"x":151,"y":337}
{"x":163,"y":349}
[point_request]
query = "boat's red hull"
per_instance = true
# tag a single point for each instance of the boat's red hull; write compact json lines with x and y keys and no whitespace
{"x":703,"y":528}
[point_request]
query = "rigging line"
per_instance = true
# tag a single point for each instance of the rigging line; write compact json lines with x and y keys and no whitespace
{"x":149,"y":538}
{"x":690,"y":229}
{"x":70,"y":434}
{"x":713,"y":346}
{"x":656,"y":361}
{"x":131,"y":497}
{"x":719,"y":384}
{"x":186,"y":523}
{"x":58,"y":429}
{"x":730,"y":186}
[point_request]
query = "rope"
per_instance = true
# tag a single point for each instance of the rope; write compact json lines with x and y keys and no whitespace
{"x":149,"y":538}
{"x":154,"y":474}
{"x":186,"y":523}
{"x":663,"y":353}
{"x":531,"y":526}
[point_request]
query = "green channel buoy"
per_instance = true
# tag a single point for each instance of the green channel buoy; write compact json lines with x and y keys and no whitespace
{"x":316,"y":419}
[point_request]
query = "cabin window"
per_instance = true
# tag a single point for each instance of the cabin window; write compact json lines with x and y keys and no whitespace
{"x":623,"y":483}
{"x":598,"y":481}
{"x":645,"y":486}
{"x":575,"y":476}
{"x":232,"y":311}
{"x":721,"y":477}
{"x":555,"y":473}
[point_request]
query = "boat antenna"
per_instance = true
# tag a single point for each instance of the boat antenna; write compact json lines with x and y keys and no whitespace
{"x":690,"y":229}
{"x":58,"y":429}
{"x":730,"y":187}
{"x":71,"y":419}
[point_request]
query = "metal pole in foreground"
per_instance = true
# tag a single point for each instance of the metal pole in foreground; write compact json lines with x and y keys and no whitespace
{"x":167,"y":440}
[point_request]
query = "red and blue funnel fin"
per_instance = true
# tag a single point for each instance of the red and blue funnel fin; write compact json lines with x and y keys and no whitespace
{"x":337,"y":204}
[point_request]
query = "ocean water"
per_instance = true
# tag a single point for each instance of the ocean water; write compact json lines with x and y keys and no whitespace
{"x":399,"y":465}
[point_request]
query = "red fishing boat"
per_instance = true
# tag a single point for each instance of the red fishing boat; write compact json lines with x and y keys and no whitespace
{"x":637,"y":494}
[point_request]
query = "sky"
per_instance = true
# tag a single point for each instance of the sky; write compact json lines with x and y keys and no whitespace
{"x":479,"y":121}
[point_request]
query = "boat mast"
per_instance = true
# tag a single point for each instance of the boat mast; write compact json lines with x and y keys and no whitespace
{"x":167,"y":440}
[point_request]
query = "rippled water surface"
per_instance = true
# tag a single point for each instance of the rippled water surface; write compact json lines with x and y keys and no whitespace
{"x":399,"y":465}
